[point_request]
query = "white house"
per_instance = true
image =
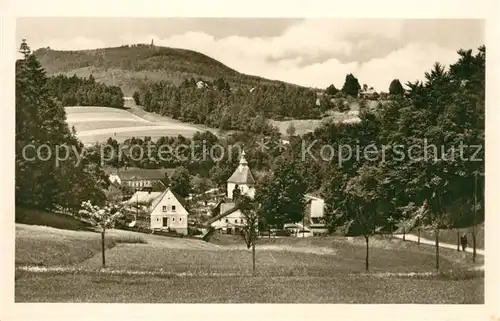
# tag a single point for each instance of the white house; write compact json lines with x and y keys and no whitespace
{"x":315,"y":213}
{"x":231,"y":220}
{"x":169,"y":212}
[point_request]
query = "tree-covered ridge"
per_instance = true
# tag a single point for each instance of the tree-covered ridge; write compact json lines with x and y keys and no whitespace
{"x":130,"y":66}
{"x":217,"y":105}
{"x":75,"y":91}
{"x":41,"y":134}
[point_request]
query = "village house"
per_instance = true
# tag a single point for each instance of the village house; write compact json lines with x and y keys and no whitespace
{"x":314,"y":213}
{"x":230,"y":220}
{"x":168,"y":212}
{"x":138,"y":178}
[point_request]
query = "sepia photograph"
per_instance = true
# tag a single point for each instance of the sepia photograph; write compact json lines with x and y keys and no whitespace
{"x":249,"y":160}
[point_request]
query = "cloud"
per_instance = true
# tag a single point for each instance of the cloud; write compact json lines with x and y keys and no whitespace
{"x":311,"y":53}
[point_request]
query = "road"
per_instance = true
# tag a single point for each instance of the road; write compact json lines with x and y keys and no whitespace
{"x":414,"y":238}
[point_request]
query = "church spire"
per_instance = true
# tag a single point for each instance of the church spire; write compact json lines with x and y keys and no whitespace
{"x":243,"y":161}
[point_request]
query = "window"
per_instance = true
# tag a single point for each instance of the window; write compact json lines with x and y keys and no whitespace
{"x":227,"y":221}
{"x":180,"y":219}
{"x":173,"y":219}
{"x":236,"y":220}
{"x":164,"y":208}
{"x":157,"y":219}
{"x":173,"y":208}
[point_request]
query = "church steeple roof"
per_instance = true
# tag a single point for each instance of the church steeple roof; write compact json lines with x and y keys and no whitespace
{"x":242,"y":174}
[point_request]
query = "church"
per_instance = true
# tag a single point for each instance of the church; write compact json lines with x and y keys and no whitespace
{"x":230,"y":220}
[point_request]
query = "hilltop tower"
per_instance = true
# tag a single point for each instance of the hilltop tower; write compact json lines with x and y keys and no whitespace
{"x":25,"y":49}
{"x":243,"y":178}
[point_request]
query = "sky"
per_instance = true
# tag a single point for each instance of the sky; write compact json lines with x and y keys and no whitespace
{"x":308,"y":52}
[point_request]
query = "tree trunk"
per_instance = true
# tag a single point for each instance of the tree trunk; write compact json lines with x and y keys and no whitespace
{"x":418,"y":240}
{"x":474,"y":244}
{"x":253,"y":257}
{"x":437,"y":249}
{"x":458,"y":240}
{"x":404,"y":234}
{"x":367,"y":254}
{"x":390,"y":226}
{"x":103,"y":246}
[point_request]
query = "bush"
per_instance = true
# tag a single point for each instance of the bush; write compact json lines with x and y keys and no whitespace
{"x":194,"y":231}
{"x":131,"y":239}
{"x":283,"y":233}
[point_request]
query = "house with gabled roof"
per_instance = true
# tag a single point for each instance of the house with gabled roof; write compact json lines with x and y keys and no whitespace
{"x":168,"y":212}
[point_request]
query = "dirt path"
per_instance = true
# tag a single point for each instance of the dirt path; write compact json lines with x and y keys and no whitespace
{"x":414,"y":238}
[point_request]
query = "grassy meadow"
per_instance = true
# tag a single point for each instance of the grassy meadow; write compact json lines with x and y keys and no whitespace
{"x":63,"y":265}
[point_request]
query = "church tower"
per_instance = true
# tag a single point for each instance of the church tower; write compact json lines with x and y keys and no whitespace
{"x":243,"y":178}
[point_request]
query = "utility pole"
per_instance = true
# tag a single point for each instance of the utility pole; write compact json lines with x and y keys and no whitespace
{"x":137,"y":207}
{"x":474,"y":226}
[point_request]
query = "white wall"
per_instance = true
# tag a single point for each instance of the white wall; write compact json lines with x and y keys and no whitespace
{"x":235,"y":218}
{"x":244,"y":188}
{"x":176,"y":218}
{"x":317,"y":208}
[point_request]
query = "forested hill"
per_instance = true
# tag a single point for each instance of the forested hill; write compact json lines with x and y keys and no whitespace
{"x":131,"y":66}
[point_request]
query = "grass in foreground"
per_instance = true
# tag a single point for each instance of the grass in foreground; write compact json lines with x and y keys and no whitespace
{"x":285,"y":257}
{"x":44,"y":246}
{"x":335,"y":289}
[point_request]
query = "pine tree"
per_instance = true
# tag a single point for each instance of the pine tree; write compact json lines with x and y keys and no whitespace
{"x":351,"y":86}
{"x":395,"y":88}
{"x":41,"y":124}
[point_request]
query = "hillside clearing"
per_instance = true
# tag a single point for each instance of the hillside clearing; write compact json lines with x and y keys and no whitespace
{"x":97,"y":124}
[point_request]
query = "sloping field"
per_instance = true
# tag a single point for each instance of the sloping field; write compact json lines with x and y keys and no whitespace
{"x":97,"y":124}
{"x":196,"y":271}
{"x":48,"y":246}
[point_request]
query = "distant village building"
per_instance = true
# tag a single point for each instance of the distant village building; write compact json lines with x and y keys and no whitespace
{"x":201,"y":84}
{"x":315,"y":214}
{"x":230,"y":220}
{"x":368,"y":94}
{"x":138,"y":178}
{"x":143,"y":198}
